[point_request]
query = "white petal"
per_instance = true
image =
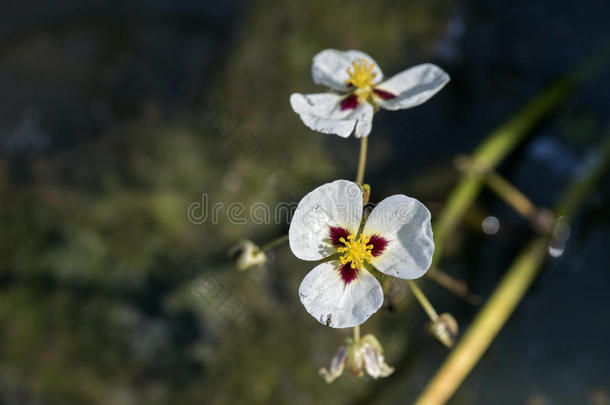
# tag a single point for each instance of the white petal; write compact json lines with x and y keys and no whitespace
{"x":330,"y":66}
{"x":365,"y":121}
{"x":405,"y":223}
{"x":375,"y":364}
{"x":332,"y":303}
{"x":413,"y":86}
{"x":336,"y":366}
{"x":333,"y":204}
{"x":343,"y":128}
{"x":322,"y":112}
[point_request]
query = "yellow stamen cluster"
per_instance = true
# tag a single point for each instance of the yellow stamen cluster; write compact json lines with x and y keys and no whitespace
{"x":355,"y":251}
{"x":361,"y":75}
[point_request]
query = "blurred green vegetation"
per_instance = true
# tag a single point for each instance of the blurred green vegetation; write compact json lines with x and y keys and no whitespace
{"x":99,"y":259}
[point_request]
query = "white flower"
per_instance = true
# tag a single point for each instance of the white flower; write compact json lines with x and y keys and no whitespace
{"x":366,"y":354}
{"x":358,"y":92}
{"x":396,"y":239}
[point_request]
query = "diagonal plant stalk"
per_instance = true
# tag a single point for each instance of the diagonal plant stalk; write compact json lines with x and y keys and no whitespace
{"x":457,"y":287}
{"x":274,"y":243}
{"x":541,"y":219}
{"x":504,"y":139}
{"x":423,"y":300}
{"x":491,"y":152}
{"x":509,"y":292}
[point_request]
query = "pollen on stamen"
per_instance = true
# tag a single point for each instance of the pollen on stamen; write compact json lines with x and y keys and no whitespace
{"x":361,"y":73}
{"x":355,"y":252}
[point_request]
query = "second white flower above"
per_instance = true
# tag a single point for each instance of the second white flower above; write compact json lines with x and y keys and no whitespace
{"x":395,"y":239}
{"x":358,"y":91}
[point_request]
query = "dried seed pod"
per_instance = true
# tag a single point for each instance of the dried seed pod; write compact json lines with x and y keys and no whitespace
{"x":364,"y":355}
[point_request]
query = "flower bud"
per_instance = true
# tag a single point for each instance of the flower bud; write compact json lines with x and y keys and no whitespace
{"x":247,"y":255}
{"x":444,"y":329}
{"x":366,"y":193}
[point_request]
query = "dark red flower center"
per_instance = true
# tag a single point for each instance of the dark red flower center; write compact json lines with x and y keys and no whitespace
{"x":336,"y":233}
{"x":350,"y":102}
{"x":347,"y":273}
{"x":382,"y":94}
{"x":379,"y":244}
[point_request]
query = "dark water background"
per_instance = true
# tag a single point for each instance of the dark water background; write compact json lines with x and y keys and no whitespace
{"x":115,"y":116}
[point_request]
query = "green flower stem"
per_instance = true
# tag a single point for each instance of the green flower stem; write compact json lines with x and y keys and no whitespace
{"x":424,"y":302}
{"x":356,"y":333}
{"x":504,"y":139}
{"x":360,"y":180}
{"x":491,"y":152}
{"x":274,"y":243}
{"x":509,"y":293}
{"x":505,"y":190}
{"x":458,"y":287}
{"x":362,"y":160}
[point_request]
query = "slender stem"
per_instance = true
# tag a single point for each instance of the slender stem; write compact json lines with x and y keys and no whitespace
{"x":421,"y":297}
{"x":362,"y":159}
{"x":513,"y":196}
{"x":491,"y":152}
{"x":509,"y":193}
{"x":541,"y":219}
{"x":456,"y":286}
{"x":274,"y":243}
{"x":360,"y":179}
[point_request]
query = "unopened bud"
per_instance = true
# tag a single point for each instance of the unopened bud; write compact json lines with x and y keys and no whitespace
{"x":444,"y":329}
{"x":247,"y":255}
{"x":366,"y":193}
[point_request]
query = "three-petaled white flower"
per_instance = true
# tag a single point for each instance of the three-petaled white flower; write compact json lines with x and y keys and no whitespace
{"x":358,"y":92}
{"x":396,"y":239}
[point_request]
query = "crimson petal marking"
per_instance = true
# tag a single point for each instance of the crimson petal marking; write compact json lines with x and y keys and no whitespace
{"x":379,"y":244}
{"x":350,"y":102}
{"x":384,"y":95}
{"x":347,"y":273}
{"x":336,"y":233}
